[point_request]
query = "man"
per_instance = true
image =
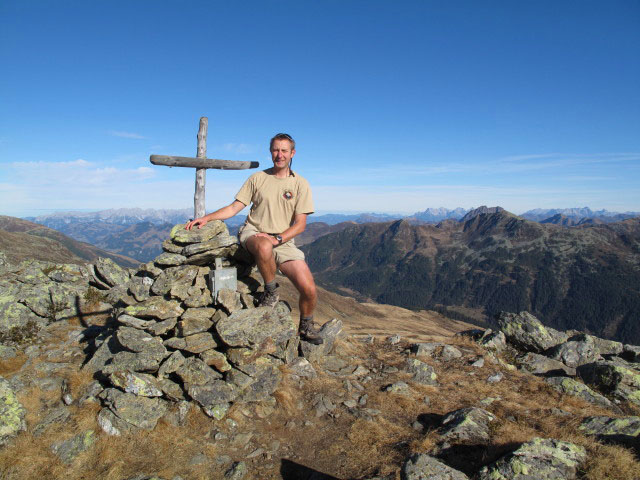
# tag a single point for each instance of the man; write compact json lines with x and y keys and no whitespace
{"x":280,"y":202}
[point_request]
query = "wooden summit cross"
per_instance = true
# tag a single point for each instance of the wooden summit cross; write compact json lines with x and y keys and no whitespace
{"x":201,"y":163}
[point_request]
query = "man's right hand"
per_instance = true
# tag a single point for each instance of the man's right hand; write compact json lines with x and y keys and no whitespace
{"x":198,"y":221}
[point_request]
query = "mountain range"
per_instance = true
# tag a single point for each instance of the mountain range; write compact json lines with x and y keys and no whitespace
{"x":138,"y":233}
{"x":21,"y":240}
{"x":585,"y":278}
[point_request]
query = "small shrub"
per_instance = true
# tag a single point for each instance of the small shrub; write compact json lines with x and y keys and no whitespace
{"x":93,"y":296}
{"x":54,"y":309}
{"x":20,"y":335}
{"x":47,"y":270}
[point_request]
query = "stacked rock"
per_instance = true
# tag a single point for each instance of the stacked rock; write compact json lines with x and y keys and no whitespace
{"x":175,"y":342}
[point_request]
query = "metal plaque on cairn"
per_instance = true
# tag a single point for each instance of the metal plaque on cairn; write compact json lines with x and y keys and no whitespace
{"x":222,"y":278}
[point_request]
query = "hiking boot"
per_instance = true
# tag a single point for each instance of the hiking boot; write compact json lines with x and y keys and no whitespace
{"x":268,"y":299}
{"x":308,"y":332}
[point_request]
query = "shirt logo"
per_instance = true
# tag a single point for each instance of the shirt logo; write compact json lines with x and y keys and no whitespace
{"x":288,"y":195}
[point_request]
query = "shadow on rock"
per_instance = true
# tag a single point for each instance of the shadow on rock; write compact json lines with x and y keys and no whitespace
{"x":294,"y":471}
{"x":430,"y":421}
{"x":470,"y":458}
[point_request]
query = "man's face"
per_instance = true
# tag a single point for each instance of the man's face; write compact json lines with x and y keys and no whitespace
{"x":281,"y":153}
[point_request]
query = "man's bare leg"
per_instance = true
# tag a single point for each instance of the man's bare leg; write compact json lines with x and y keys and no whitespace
{"x":298,"y":272}
{"x":262,"y":250}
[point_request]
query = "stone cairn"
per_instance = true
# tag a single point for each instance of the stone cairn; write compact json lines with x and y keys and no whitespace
{"x":174,"y":344}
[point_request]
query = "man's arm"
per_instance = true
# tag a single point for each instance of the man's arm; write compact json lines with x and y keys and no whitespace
{"x":299,"y":225}
{"x":220,"y":214}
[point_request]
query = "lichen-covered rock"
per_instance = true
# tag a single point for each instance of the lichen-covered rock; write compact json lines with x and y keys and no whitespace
{"x":14,"y":314}
{"x":625,"y":431}
{"x":183,"y":275}
{"x":540,"y":459}
{"x":215,"y":359}
{"x":140,"y":384}
{"x":620,"y":381}
{"x":422,"y":372}
{"x":133,"y":322}
{"x":194,"y":371}
{"x":110,"y":272}
{"x":147,"y":361}
{"x":167,"y":259}
{"x":68,"y":450}
{"x":196,"y":320}
{"x":141,"y":412}
{"x":215,"y":243}
{"x":111,"y":424}
{"x":171,"y":364}
{"x":569,"y":386}
{"x":245,"y":328}
{"x":329,"y":333}
{"x":400,"y":388}
{"x":467,"y":425}
{"x":526,"y":332}
{"x":170,"y":247}
{"x":208,"y":257}
{"x":139,"y":287}
{"x":12,"y":413}
{"x":602,"y":345}
{"x":179,"y":235}
{"x":200,"y":342}
{"x":103,"y":355}
{"x":155,"y":307}
{"x":216,"y":392}
{"x":541,"y":365}
{"x":302,"y":368}
{"x":237,"y":471}
{"x":229,"y":300}
{"x":421,"y":466}
{"x":491,"y":340}
{"x":574,"y":353}
{"x":139,"y":341}
{"x":265,"y":376}
{"x":51,"y":300}
{"x":162,"y":327}
{"x":149,"y":270}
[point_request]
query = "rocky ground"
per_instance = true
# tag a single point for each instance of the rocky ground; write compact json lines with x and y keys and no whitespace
{"x":142,"y":374}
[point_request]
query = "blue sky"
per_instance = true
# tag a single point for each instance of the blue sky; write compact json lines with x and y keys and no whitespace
{"x":395,"y":106}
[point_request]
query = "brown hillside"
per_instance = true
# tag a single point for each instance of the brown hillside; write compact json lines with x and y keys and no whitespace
{"x":29,"y":245}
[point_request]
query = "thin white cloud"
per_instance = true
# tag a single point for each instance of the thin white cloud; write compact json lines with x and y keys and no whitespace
{"x":238,"y":148}
{"x":71,"y":174}
{"x":118,"y":133}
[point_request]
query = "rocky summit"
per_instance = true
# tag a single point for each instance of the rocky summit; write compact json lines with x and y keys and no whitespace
{"x":144,"y":373}
{"x":175,"y":341}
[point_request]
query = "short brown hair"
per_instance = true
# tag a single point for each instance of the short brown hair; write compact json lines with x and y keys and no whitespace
{"x":283,"y":136}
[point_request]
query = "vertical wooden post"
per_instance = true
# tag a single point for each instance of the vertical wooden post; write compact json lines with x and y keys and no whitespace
{"x":201,"y":173}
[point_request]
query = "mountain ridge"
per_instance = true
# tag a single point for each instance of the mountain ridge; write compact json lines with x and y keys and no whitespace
{"x":585,"y":277}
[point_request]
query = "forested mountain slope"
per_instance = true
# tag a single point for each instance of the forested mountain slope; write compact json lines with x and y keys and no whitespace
{"x":585,"y":277}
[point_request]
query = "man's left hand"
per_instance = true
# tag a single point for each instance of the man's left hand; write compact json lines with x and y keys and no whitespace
{"x":271,"y":238}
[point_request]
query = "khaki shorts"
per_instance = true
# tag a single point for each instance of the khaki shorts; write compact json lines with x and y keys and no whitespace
{"x":282,"y":253}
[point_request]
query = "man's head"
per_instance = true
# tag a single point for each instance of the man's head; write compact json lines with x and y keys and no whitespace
{"x":283,"y":136}
{"x":282,"y":148}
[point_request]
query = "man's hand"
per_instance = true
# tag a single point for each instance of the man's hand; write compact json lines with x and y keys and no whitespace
{"x":198,"y":221}
{"x":271,"y":238}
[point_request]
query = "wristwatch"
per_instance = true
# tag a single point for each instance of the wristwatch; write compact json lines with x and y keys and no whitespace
{"x":279,"y":238}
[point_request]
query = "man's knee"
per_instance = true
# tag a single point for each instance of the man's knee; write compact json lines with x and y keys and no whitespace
{"x":308,"y":291}
{"x":261,"y":248}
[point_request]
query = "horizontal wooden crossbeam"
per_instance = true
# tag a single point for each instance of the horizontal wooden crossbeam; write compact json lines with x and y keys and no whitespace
{"x":193,"y":162}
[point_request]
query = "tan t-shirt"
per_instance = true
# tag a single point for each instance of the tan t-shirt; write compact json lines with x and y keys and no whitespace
{"x":275,"y":201}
